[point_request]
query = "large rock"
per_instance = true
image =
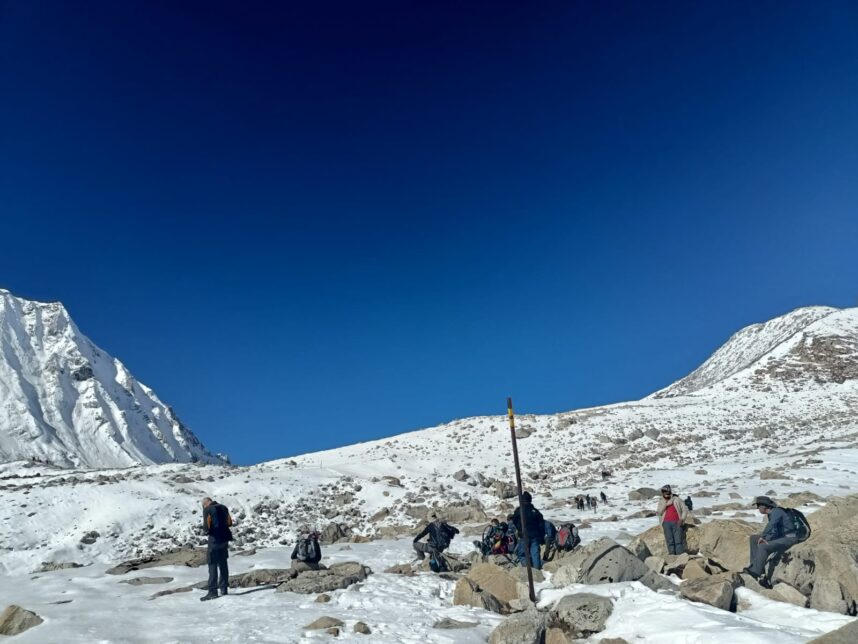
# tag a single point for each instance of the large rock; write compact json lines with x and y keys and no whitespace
{"x":522,"y":628}
{"x":507,"y":584}
{"x":611,"y":563}
{"x":15,"y":620}
{"x":717,"y":590}
{"x":824,"y":567}
{"x":192,"y":557}
{"x":582,"y":614}
{"x":336,"y":577}
{"x":844,"y":635}
{"x":324,"y":623}
{"x":643,"y":494}
{"x":726,"y":542}
{"x":504,"y":490}
{"x":468,"y":593}
{"x":651,"y":542}
{"x":471,"y":512}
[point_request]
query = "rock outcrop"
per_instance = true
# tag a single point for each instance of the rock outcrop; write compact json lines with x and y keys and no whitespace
{"x":15,"y":620}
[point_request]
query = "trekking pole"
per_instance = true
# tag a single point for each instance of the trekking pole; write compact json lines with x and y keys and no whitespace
{"x":520,"y":503}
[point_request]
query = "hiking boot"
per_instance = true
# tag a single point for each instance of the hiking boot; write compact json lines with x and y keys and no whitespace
{"x":225,"y":591}
{"x":764,"y":583}
{"x":208,"y":596}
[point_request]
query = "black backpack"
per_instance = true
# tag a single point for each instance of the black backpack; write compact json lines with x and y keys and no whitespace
{"x":799,"y":524}
{"x":221,"y":522}
{"x":306,"y":549}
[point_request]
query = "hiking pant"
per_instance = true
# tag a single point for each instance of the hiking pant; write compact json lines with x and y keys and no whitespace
{"x":423,"y":549}
{"x":674,"y":537}
{"x":535,"y":560}
{"x":217,"y":559}
{"x":760,"y":552}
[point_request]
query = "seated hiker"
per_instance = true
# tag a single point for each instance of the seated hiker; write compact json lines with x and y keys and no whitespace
{"x":781,"y":533}
{"x":492,"y":534}
{"x":307,"y":553}
{"x":550,"y":535}
{"x":535,"y":531}
{"x":440,"y":535}
{"x":672,"y":514}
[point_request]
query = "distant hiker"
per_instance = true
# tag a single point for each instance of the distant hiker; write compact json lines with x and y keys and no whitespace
{"x":307,"y":552}
{"x":575,"y":481}
{"x":216,"y":523}
{"x":672,"y":514}
{"x":689,"y":503}
{"x":440,"y":535}
{"x":589,"y":502}
{"x":535,"y":531}
{"x":784,"y":529}
{"x":581,"y":503}
{"x":594,"y":503}
{"x":604,"y":497}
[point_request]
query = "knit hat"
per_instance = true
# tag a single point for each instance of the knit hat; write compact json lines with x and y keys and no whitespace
{"x":764,"y":500}
{"x":666,"y":488}
{"x":526,"y":497}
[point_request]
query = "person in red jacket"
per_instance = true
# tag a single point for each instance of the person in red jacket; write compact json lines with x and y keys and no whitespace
{"x":672,"y":514}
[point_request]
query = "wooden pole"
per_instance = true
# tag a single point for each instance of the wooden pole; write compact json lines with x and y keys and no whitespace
{"x":524,"y":536}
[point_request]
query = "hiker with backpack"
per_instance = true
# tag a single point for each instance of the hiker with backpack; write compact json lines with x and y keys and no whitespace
{"x":216,"y":524}
{"x":440,"y":534}
{"x":550,"y":535}
{"x":672,"y":514}
{"x":307,"y":552}
{"x":535,"y":525}
{"x":784,"y":529}
{"x":604,"y":497}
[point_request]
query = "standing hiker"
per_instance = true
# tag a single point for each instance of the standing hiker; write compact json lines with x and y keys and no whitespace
{"x":440,"y":534}
{"x":216,"y":523}
{"x":780,"y":534}
{"x":604,"y":497}
{"x":672,"y":514}
{"x":307,"y":552}
{"x":535,"y":531}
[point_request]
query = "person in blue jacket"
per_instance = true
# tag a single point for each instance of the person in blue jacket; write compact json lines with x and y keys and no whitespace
{"x":778,"y":536}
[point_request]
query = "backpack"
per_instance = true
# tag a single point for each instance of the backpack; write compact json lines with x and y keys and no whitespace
{"x":799,"y":524}
{"x":445,"y":535}
{"x":221,"y":522}
{"x":306,"y":550}
{"x":437,"y":563}
{"x":566,"y":538}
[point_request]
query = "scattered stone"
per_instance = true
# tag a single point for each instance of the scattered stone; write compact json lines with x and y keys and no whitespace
{"x":468,"y":593}
{"x":694,"y":570}
{"x":192,"y":557}
{"x":324,"y":598}
{"x":527,"y":627}
{"x":582,"y":614}
{"x":716,"y":590}
{"x":15,"y":620}
{"x":50,"y":566}
{"x":643,"y":494}
{"x":362,"y":628}
{"x":402,"y":569}
{"x":336,"y":577}
{"x":142,"y":581}
{"x":333,"y":630}
{"x":90,"y":538}
{"x":324,"y":623}
{"x":506,"y":584}
{"x":451,"y":624}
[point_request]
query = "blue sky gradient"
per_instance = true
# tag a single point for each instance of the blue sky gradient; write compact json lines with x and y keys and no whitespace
{"x":307,"y":226}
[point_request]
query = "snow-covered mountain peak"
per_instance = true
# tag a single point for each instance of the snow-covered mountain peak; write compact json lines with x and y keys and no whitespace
{"x":752,"y":344}
{"x":64,"y":400}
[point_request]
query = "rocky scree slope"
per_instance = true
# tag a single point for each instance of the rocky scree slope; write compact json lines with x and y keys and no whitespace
{"x":65,"y":401}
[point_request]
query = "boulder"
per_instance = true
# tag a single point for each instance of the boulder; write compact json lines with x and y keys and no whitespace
{"x":504,"y":490}
{"x":362,"y":629}
{"x":787,"y":593}
{"x":726,"y":542}
{"x":507,"y":584}
{"x":557,"y":636}
{"x":611,"y":563}
{"x":336,"y":577}
{"x":324,"y":623}
{"x":468,"y":593}
{"x":324,"y":598}
{"x":522,"y":628}
{"x":844,"y":635}
{"x":402,"y":569}
{"x":15,"y":620}
{"x":823,"y":567}
{"x":581,"y":614}
{"x":192,"y":557}
{"x":643,"y":494}
{"x":656,"y":564}
{"x":717,"y":590}
{"x":652,"y":541}
{"x":694,"y":570}
{"x":461,"y":475}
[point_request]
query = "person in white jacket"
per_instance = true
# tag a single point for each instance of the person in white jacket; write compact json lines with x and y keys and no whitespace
{"x":672,"y":514}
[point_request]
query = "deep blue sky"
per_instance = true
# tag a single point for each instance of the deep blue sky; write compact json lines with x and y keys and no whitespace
{"x":310,"y":226}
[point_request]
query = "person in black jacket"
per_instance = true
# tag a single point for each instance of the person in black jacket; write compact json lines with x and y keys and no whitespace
{"x":307,"y":553}
{"x":216,"y":523}
{"x":440,"y":535}
{"x":535,"y":531}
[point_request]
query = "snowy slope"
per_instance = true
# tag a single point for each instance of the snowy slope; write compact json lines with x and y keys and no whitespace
{"x":64,"y":400}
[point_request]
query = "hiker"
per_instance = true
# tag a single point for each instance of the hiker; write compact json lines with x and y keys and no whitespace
{"x":216,"y":523}
{"x":307,"y":552}
{"x":535,"y":531}
{"x":604,"y":497}
{"x":440,"y":534}
{"x":689,"y":503}
{"x":567,"y":538}
{"x":779,"y":535}
{"x":575,"y":481}
{"x":550,"y":535}
{"x":594,"y":503}
{"x":495,"y":540}
{"x":672,"y":514}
